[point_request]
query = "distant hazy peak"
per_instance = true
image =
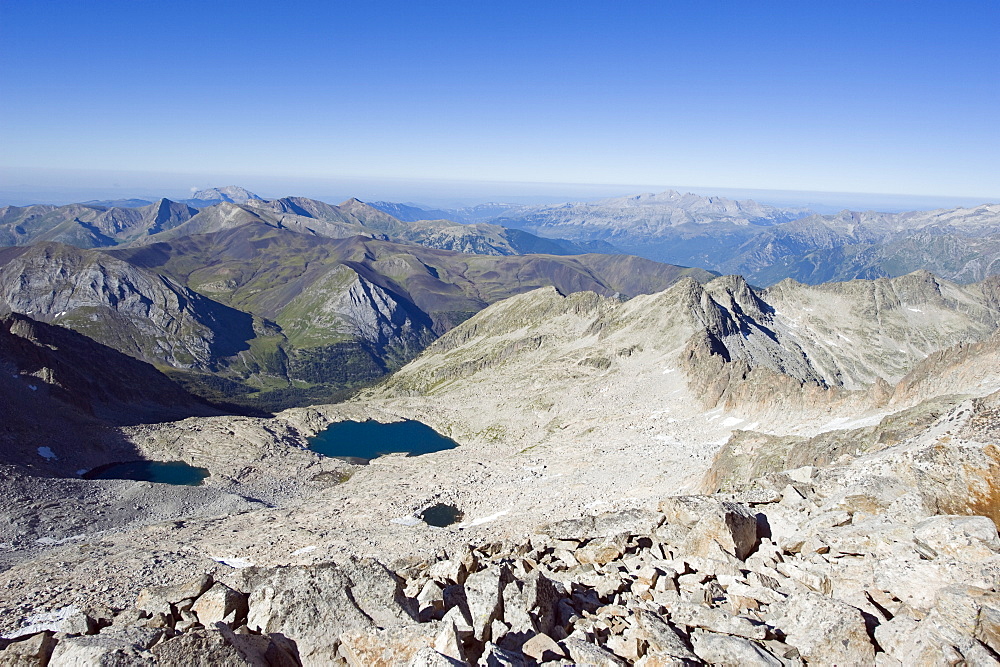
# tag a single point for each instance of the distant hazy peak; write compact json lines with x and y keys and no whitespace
{"x":233,"y":194}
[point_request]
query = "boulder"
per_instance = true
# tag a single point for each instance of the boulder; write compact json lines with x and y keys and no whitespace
{"x":584,"y":653}
{"x":730,"y":525}
{"x":428,"y":657}
{"x":111,"y":647}
{"x":826,"y":630}
{"x":969,"y":539}
{"x":314,"y":605}
{"x":220,"y":603}
{"x":627,"y":522}
{"x":494,"y":656}
{"x":484,"y":593}
{"x":34,"y":650}
{"x":718,"y":649}
{"x":388,"y":647}
{"x":662,"y":638}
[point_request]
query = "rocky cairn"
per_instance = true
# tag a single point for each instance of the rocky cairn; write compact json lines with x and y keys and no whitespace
{"x":777,"y":574}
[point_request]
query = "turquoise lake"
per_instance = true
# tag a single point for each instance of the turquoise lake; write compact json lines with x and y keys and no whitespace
{"x":370,"y":439}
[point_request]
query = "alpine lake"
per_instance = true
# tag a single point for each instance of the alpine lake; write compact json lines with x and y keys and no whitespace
{"x":177,"y":473}
{"x":360,"y":442}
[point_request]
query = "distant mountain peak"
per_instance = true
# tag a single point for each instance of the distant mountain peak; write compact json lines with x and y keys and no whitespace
{"x":233,"y":194}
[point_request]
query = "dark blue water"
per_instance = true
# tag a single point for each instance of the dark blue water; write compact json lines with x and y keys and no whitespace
{"x":441,"y":515}
{"x":162,"y":472}
{"x":370,"y":439}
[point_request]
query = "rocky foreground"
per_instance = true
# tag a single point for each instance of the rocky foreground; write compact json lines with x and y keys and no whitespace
{"x":793,"y":569}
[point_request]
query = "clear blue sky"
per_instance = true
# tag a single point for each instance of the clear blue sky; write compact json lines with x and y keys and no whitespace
{"x":876,"y":96}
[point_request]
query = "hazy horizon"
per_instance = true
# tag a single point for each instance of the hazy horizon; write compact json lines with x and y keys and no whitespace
{"x":65,"y":187}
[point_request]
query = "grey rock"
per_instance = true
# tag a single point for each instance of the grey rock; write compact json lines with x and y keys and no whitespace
{"x":220,"y":603}
{"x":826,"y":630}
{"x":314,"y":605}
{"x":725,"y":650}
{"x":428,"y":657}
{"x":484,"y":592}
{"x":494,"y":656}
{"x":662,"y":637}
{"x":33,"y":650}
{"x":584,"y":653}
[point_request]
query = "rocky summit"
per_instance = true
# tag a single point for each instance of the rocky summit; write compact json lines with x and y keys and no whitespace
{"x":654,"y":465}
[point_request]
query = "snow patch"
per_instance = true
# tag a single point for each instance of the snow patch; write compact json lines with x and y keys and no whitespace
{"x":485,"y":519}
{"x":406,"y":521}
{"x":50,"y":620}
{"x":304,"y":550}
{"x":731,"y":421}
{"x":47,"y":453}
{"x":234,"y":562}
{"x":668,"y":370}
{"x":915,"y":310}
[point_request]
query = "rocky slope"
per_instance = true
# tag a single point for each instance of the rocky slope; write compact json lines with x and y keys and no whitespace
{"x":889,"y":557}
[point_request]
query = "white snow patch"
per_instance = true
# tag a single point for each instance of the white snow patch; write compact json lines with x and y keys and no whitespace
{"x":731,"y":421}
{"x":668,"y":370}
{"x":844,"y":337}
{"x":304,"y":550}
{"x":235,"y":562}
{"x":915,"y":310}
{"x":485,"y":519}
{"x":50,"y":620}
{"x":846,"y":422}
{"x":47,"y":453}
{"x":750,"y":427}
{"x":595,"y":504}
{"x":406,"y":521}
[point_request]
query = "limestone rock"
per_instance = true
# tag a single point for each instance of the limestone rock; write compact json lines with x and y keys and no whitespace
{"x":220,"y":603}
{"x":428,"y":657}
{"x":719,"y":649}
{"x":966,"y":538}
{"x":826,"y":630}
{"x":484,"y":592}
{"x":314,"y":605}
{"x":732,"y":526}
{"x":388,"y":647}
{"x":494,"y":656}
{"x":583,"y":653}
{"x":663,"y":639}
{"x":30,"y":651}
{"x":122,"y":647}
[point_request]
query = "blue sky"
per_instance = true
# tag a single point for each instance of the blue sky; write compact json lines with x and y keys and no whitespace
{"x":878,"y":96}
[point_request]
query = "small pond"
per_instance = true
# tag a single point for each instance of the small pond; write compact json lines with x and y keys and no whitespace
{"x":360,"y":442}
{"x":162,"y":472}
{"x":441,"y":515}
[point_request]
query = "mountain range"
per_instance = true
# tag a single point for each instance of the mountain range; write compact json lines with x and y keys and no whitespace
{"x":766,"y":243}
{"x":654,"y":464}
{"x":242,"y":308}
